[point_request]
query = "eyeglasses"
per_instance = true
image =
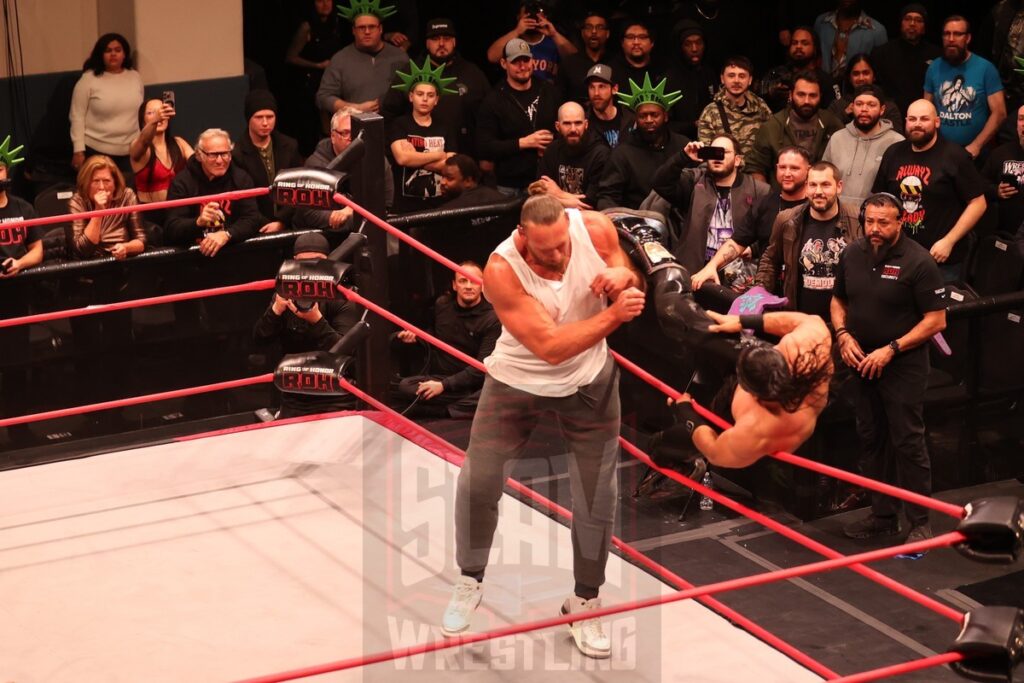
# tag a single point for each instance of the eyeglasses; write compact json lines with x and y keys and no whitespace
{"x":342,"y":133}
{"x":637,"y":36}
{"x":216,"y":155}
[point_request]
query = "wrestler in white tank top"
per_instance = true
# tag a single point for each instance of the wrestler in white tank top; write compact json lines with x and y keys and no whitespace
{"x":567,"y":300}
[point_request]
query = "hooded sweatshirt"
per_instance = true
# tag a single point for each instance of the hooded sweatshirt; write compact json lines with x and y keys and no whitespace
{"x":576,"y":169}
{"x":858,"y":157}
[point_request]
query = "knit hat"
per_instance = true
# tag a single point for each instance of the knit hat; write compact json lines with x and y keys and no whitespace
{"x":258,"y":100}
{"x":687,"y":27}
{"x":916,"y":8}
{"x":311,"y":241}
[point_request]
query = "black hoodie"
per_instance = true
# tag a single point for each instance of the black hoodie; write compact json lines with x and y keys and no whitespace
{"x":576,"y":169}
{"x":502,"y":120}
{"x":242,"y":218}
{"x":630,"y":173}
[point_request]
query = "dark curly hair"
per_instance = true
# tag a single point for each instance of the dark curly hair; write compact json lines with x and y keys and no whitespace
{"x":764,"y":373}
{"x":94,"y":62}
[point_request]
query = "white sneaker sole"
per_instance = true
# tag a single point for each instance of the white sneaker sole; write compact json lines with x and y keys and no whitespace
{"x":577,"y":638}
{"x":449,"y":633}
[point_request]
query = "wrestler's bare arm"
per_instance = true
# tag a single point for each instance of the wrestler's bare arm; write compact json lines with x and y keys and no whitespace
{"x":741,"y":445}
{"x":800,"y":333}
{"x":622,"y":272}
{"x":526,"y":320}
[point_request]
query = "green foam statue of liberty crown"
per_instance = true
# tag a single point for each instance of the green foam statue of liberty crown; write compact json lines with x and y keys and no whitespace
{"x":649,"y":94}
{"x":1020,"y":65}
{"x":358,"y":8}
{"x":425,"y":74}
{"x":9,"y":157}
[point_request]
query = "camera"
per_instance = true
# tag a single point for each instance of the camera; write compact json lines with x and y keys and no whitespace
{"x":533,"y":9}
{"x":304,"y":304}
{"x":711,"y":153}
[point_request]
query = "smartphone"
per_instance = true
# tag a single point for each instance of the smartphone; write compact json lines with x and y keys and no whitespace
{"x":1010,"y":179}
{"x":711,"y":153}
{"x":168,"y":98}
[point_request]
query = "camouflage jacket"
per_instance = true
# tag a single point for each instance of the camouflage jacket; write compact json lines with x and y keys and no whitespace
{"x":743,"y":121}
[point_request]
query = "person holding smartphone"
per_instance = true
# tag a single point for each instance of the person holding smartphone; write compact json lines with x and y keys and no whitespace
{"x":706,"y":185}
{"x":1004,"y":168}
{"x":157,"y":155}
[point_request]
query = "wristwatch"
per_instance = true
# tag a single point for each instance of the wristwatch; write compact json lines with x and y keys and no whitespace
{"x":895,"y":346}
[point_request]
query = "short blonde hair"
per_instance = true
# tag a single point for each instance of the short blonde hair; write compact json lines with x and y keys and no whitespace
{"x":93,"y":164}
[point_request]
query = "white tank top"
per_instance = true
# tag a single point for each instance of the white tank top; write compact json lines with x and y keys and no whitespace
{"x":566,"y":301}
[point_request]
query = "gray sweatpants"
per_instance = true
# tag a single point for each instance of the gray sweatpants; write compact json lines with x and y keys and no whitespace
{"x":505,"y":418}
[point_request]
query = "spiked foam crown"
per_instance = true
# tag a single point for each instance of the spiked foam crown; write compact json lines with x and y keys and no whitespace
{"x":9,"y":157}
{"x":649,"y":94}
{"x":358,"y":8}
{"x":425,"y":74}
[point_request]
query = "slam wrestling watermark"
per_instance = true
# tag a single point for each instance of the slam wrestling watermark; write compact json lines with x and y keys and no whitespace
{"x":529,"y":574}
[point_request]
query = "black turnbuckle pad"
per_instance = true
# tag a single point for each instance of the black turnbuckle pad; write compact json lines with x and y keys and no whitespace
{"x":314,"y":373}
{"x":994,"y":528}
{"x":308,"y":187}
{"x":992,"y":641}
{"x":312,"y":280}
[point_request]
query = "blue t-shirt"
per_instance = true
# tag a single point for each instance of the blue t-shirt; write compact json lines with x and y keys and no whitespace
{"x":961,"y":96}
{"x":545,"y":58}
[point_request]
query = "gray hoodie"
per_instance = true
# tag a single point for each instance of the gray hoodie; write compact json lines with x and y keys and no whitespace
{"x":858,"y":157}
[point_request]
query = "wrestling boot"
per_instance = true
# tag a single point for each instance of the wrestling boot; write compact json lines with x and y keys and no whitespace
{"x":465,"y":599}
{"x":588,"y":634}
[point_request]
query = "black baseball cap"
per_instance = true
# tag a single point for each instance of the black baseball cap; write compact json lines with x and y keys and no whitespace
{"x":440,"y":27}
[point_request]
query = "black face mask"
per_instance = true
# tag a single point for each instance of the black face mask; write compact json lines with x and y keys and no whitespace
{"x":5,"y":184}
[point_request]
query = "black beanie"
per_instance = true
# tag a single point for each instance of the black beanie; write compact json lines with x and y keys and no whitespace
{"x":258,"y":100}
{"x":311,"y":241}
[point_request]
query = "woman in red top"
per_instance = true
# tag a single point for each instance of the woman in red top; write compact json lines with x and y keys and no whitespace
{"x":156,"y":155}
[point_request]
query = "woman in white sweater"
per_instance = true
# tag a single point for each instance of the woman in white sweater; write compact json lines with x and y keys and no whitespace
{"x":105,"y":103}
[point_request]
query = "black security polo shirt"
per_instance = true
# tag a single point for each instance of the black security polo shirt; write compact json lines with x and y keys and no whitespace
{"x":887,"y":295}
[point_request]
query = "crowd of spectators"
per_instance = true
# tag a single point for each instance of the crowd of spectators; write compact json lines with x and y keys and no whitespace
{"x":601,"y":109}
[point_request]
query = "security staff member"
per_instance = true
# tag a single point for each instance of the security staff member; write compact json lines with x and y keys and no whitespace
{"x":885,"y":306}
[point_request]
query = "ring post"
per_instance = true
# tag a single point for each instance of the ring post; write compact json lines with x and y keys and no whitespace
{"x":367,"y":185}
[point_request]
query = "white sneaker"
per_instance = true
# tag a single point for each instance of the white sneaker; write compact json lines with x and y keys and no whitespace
{"x":465,"y":598}
{"x":588,"y":633}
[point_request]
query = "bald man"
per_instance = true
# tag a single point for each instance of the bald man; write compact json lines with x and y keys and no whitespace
{"x":572,"y":165}
{"x":941,"y":191}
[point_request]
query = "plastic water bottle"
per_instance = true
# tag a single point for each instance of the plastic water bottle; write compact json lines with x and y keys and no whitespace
{"x":705,"y":502}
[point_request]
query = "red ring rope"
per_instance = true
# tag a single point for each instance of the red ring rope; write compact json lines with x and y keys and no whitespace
{"x":149,"y":206}
{"x":666,"y":574}
{"x":148,"y":398}
{"x":136,"y":303}
{"x":909,"y":496}
{"x":903,"y":668}
{"x":803,"y":540}
{"x":786,"y":531}
{"x":834,"y":562}
{"x":709,"y":589}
